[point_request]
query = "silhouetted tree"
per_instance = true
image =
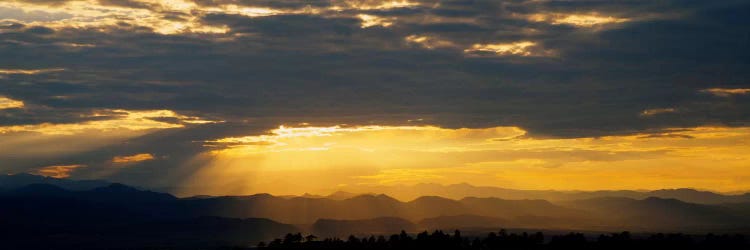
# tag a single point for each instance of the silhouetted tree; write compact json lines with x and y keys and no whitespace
{"x":439,"y":240}
{"x":310,"y":237}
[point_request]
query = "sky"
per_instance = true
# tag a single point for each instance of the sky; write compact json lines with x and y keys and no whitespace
{"x":286,"y":97}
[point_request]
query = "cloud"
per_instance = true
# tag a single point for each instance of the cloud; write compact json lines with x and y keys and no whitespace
{"x":429,"y":42}
{"x":113,"y":120}
{"x":283,"y":137}
{"x":127,"y":159}
{"x":58,"y":171}
{"x":657,"y":111}
{"x":7,"y":103}
{"x":373,"y":4}
{"x":520,"y":48}
{"x":581,"y":20}
{"x":727,"y":92}
{"x":132,"y":3}
{"x":27,"y":71}
{"x":19,"y":14}
{"x":256,"y":64}
{"x":667,"y":135}
{"x":370,"y":21}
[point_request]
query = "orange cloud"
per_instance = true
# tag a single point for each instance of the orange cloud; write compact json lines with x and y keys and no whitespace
{"x":580,"y":20}
{"x":58,"y":171}
{"x":132,"y":158}
{"x":372,"y":4}
{"x":429,"y":42}
{"x":122,"y":120}
{"x":7,"y":103}
{"x":372,"y":20}
{"x":27,"y":71}
{"x":653,"y":112}
{"x":519,"y":48}
{"x":726,"y":92}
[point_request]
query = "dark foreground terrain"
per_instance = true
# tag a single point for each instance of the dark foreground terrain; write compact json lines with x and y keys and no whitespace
{"x":504,"y":240}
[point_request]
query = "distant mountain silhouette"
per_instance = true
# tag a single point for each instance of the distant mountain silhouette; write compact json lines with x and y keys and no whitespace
{"x":432,"y":206}
{"x":660,"y":214}
{"x":40,"y":190}
{"x":20,"y":180}
{"x":695,"y":196}
{"x":121,"y":193}
{"x":341,"y":195}
{"x":514,"y":208}
{"x":300,"y":210}
{"x":459,"y":191}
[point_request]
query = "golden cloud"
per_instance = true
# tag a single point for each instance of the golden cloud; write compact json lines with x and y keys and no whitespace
{"x":372,"y":4}
{"x":7,"y":103}
{"x":657,"y":111}
{"x":27,"y":71}
{"x":726,"y":92}
{"x":372,"y":20}
{"x":93,"y":14}
{"x":132,"y":120}
{"x":580,"y":20}
{"x":127,"y":159}
{"x":519,"y":48}
{"x":58,"y":171}
{"x":429,"y":42}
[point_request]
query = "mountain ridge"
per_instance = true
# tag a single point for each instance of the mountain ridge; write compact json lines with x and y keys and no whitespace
{"x":453,"y":191}
{"x":606,"y":212}
{"x":462,"y":190}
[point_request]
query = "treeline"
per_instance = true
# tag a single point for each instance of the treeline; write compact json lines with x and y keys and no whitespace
{"x":504,"y":240}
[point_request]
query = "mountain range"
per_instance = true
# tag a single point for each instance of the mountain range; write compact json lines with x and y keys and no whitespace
{"x":461,"y":190}
{"x":88,"y":212}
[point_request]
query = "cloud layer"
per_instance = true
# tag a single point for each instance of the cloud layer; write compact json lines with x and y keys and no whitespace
{"x":95,"y":71}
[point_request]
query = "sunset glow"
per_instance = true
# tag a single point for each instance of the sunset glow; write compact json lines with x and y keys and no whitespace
{"x":228,"y":97}
{"x":505,"y":156}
